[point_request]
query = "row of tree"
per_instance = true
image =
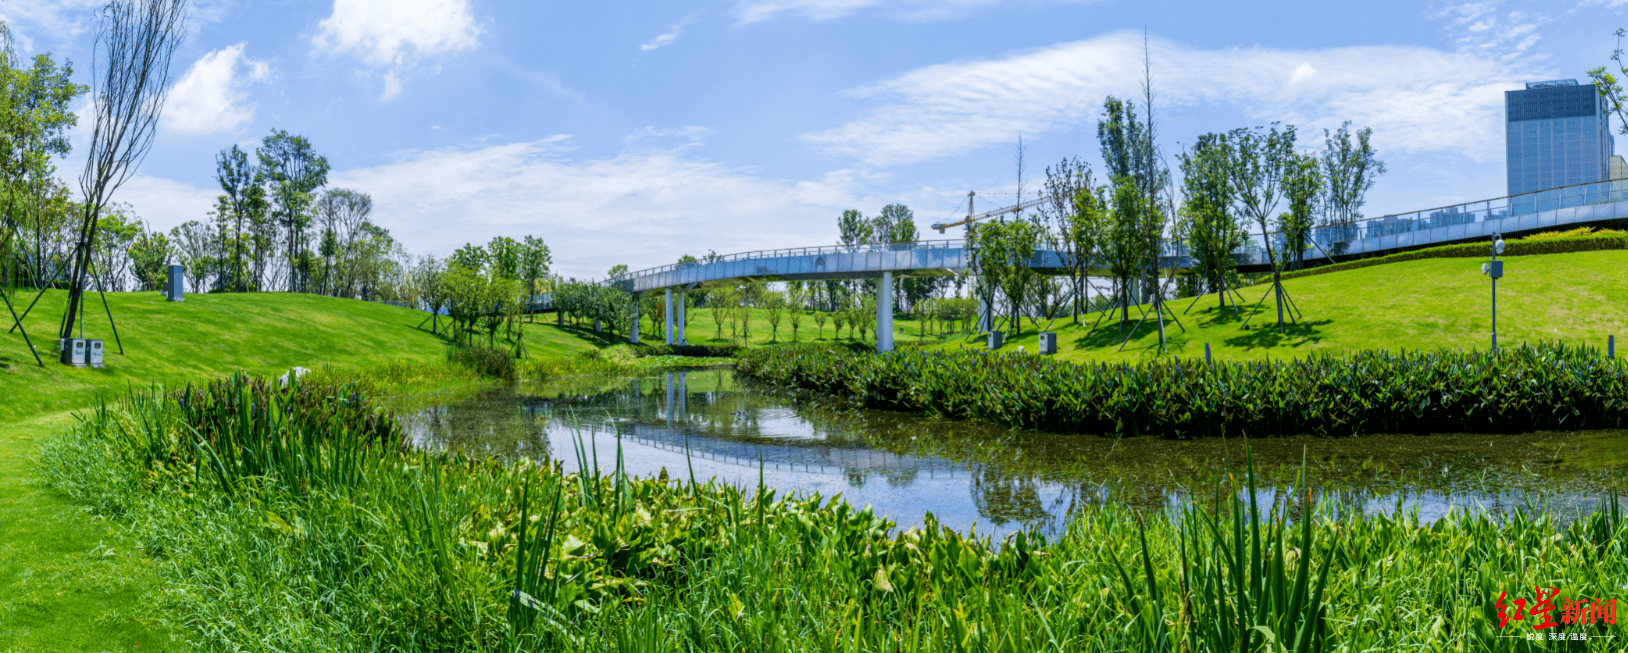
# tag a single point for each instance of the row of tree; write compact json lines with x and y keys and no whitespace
{"x":1232,"y":183}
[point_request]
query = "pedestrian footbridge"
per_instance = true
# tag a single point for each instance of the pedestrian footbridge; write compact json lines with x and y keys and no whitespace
{"x":1592,"y":204}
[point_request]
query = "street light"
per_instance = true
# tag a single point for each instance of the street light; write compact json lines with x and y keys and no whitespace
{"x":1495,"y":269}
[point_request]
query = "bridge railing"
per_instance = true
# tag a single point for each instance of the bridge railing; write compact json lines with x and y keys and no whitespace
{"x":1381,"y":233}
{"x":796,"y":251}
{"x":1331,"y":238}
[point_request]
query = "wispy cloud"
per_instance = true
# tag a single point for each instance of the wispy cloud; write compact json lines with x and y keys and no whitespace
{"x":210,"y":96}
{"x":1484,"y":27}
{"x":60,"y":20}
{"x":752,"y":11}
{"x":1415,"y":98}
{"x":672,"y":139}
{"x":664,"y":39}
{"x":394,"y":35}
{"x":639,"y":208}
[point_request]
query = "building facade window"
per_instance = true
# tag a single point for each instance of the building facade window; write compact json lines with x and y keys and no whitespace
{"x":1558,"y":134}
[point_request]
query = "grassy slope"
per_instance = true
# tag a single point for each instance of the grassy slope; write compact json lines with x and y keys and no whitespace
{"x":66,"y":583}
{"x":1431,"y":303}
{"x":211,"y":334}
{"x":1427,"y":304}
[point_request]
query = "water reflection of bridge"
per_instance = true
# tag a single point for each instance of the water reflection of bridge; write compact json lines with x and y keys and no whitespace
{"x":665,"y":421}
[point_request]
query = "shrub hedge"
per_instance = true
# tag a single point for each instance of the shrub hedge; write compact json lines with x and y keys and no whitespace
{"x":699,"y":351}
{"x":1547,"y":386}
{"x":1522,"y":247}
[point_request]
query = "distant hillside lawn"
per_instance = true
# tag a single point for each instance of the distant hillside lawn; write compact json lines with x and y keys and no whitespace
{"x":208,"y":335}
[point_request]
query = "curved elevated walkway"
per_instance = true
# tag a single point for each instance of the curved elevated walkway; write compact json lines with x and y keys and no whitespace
{"x":1572,"y":206}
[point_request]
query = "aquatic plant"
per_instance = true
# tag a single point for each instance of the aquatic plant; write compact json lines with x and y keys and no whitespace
{"x":292,"y":518}
{"x":1544,"y":386}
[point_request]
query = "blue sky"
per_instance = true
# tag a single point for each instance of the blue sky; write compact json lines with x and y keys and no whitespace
{"x":634,"y":132}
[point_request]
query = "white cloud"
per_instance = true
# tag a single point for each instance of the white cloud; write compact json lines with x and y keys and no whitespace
{"x":396,"y":34}
{"x":639,"y":209}
{"x":61,"y":20}
{"x":165,"y":203}
{"x":209,"y":98}
{"x":1415,"y":98}
{"x":672,"y":139}
{"x":664,"y":39}
{"x":752,"y":11}
{"x":1483,"y":27}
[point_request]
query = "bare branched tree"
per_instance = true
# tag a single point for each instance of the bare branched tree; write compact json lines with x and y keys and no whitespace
{"x":130,"y":76}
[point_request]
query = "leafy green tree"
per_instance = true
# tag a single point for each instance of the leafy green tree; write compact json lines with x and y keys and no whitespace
{"x":116,"y":231}
{"x":35,"y":116}
{"x":534,"y":261}
{"x":469,"y":257}
{"x":1303,"y":188}
{"x":1073,"y":218}
{"x":244,"y":198}
{"x":1261,"y":157}
{"x":1213,"y":232}
{"x":1350,"y":170}
{"x":195,"y":250}
{"x":774,"y":307}
{"x":1125,"y":248}
{"x":294,"y":172}
{"x":150,"y":254}
{"x":1000,"y":252}
{"x":853,"y":229}
{"x":1133,"y":166}
{"x":504,"y":256}
{"x":796,"y":297}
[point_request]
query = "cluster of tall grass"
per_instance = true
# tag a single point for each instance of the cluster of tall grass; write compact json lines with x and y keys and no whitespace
{"x":1548,"y":386}
{"x":299,"y":518}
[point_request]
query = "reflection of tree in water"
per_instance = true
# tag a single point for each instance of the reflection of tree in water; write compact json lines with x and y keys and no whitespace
{"x":856,"y":477}
{"x":1005,"y":499}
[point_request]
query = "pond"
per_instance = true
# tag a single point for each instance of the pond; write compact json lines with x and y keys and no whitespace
{"x":707,"y":424}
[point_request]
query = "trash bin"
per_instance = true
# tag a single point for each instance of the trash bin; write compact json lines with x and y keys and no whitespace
{"x":73,"y":351}
{"x":996,"y":339}
{"x":1048,"y":343}
{"x":172,"y":285}
{"x":95,"y":353}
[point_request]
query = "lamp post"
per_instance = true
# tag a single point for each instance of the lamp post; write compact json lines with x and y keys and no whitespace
{"x":1495,"y":269}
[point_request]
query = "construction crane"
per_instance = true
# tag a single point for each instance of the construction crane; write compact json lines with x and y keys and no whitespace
{"x":971,"y":217}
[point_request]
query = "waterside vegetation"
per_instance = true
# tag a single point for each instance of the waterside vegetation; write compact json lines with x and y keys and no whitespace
{"x":296,"y":517}
{"x":1538,"y":387}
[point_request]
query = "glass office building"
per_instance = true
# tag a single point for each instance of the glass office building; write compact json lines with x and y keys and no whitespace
{"x":1558,"y":134}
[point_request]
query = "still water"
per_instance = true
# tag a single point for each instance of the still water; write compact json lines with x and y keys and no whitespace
{"x":707,"y":424}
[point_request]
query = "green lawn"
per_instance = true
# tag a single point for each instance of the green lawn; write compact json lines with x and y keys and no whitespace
{"x":208,"y":335}
{"x":1428,"y":304}
{"x":1423,"y":304}
{"x":67,"y":581}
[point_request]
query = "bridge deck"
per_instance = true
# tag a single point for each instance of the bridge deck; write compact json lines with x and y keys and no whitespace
{"x":1586,"y":204}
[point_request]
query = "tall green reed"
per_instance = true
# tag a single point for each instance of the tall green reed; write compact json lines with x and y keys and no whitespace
{"x":414,"y":550}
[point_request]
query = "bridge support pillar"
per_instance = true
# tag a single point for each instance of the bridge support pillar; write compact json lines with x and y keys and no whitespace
{"x":669,"y":305}
{"x":884,"y":313}
{"x":683,"y":292}
{"x":633,"y":332}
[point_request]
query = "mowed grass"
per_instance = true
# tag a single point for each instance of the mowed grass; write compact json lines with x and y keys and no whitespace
{"x":1428,"y":304}
{"x":67,"y":581}
{"x":210,"y":335}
